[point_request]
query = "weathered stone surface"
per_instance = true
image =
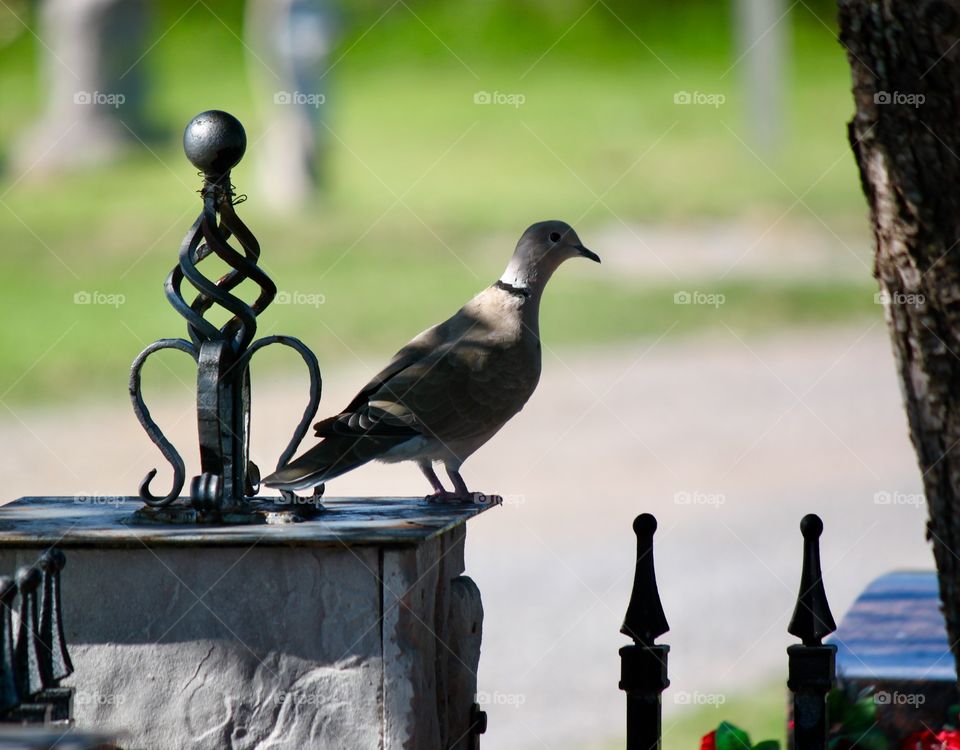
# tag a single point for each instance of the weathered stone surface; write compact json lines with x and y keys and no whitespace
{"x":108,"y":521}
{"x":354,"y":646}
{"x":426,"y":614}
{"x":464,"y":634}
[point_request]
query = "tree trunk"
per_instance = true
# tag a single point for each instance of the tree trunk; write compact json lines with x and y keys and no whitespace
{"x":905,"y":59}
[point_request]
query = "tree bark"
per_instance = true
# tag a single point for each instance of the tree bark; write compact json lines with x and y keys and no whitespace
{"x":905,"y":60}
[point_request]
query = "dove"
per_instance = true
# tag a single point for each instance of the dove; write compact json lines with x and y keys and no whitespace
{"x":453,"y":387}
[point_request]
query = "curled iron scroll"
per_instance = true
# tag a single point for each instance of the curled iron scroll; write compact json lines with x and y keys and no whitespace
{"x":315,"y":386}
{"x":152,"y":429}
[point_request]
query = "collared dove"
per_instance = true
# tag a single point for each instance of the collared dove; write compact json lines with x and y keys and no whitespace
{"x":454,"y":386}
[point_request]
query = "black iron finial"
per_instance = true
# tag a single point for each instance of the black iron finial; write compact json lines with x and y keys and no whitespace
{"x":812,"y":664}
{"x":56,"y":663}
{"x":643,"y":664}
{"x":32,"y":665}
{"x":215,"y":141}
{"x":645,"y":620}
{"x":812,"y":620}
{"x":29,"y":677}
{"x":9,"y":694}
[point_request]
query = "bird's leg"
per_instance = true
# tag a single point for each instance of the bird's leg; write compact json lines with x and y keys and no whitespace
{"x":439,"y":493}
{"x":462,"y":494}
{"x":459,"y":486}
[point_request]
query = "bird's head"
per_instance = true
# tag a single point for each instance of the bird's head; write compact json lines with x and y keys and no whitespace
{"x":541,"y":250}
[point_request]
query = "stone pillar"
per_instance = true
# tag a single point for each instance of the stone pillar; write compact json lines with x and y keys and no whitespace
{"x":353,"y":630}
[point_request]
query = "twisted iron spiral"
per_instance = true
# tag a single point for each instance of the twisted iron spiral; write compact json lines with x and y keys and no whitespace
{"x":215,"y":142}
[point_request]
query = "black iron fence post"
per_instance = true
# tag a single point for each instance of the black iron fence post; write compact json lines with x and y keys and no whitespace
{"x":30,"y":681}
{"x":9,"y":694}
{"x":56,"y":665}
{"x":34,"y":659}
{"x":643,"y":666}
{"x":55,"y":662}
{"x":812,"y":664}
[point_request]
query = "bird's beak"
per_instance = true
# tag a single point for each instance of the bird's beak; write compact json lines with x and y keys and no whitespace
{"x":588,"y":253}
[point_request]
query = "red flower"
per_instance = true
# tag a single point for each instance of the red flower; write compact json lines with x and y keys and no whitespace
{"x":927,"y":740}
{"x":709,"y":741}
{"x":949,"y":739}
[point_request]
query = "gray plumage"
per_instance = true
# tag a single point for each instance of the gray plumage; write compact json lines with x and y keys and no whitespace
{"x":452,"y":387}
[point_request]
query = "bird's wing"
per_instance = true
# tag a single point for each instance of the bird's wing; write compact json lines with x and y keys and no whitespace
{"x":457,"y":380}
{"x":468,"y":392}
{"x":467,"y":388}
{"x":419,"y":347}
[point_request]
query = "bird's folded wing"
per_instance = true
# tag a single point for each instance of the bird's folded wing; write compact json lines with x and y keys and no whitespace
{"x":356,"y":418}
{"x":417,"y":349}
{"x":463,"y":391}
{"x":457,"y":380}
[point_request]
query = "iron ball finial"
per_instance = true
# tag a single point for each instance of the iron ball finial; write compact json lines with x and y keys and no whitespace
{"x":214,"y":142}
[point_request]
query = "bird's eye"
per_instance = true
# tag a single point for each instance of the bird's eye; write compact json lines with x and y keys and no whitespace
{"x":554,"y":236}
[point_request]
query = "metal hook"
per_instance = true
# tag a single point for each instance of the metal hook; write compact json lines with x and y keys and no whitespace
{"x":152,"y":429}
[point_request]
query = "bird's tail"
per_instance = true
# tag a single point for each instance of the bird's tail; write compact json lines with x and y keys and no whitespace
{"x":331,"y":457}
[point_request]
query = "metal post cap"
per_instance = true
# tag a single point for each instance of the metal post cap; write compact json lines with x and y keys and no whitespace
{"x":214,"y":142}
{"x":811,"y":526}
{"x":644,"y":525}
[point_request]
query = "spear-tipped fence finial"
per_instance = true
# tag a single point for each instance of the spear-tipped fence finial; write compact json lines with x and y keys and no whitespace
{"x":812,"y":664}
{"x":812,"y":620}
{"x":643,"y":664}
{"x":645,"y":620}
{"x":56,"y":665}
{"x":29,"y":677}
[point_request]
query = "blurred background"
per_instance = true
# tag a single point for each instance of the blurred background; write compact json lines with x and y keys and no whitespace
{"x":726,"y":368}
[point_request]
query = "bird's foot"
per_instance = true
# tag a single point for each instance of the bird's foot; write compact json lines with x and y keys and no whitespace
{"x":442,"y":496}
{"x":476,"y":498}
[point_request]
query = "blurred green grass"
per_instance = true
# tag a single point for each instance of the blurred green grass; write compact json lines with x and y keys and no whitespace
{"x":420,"y":179}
